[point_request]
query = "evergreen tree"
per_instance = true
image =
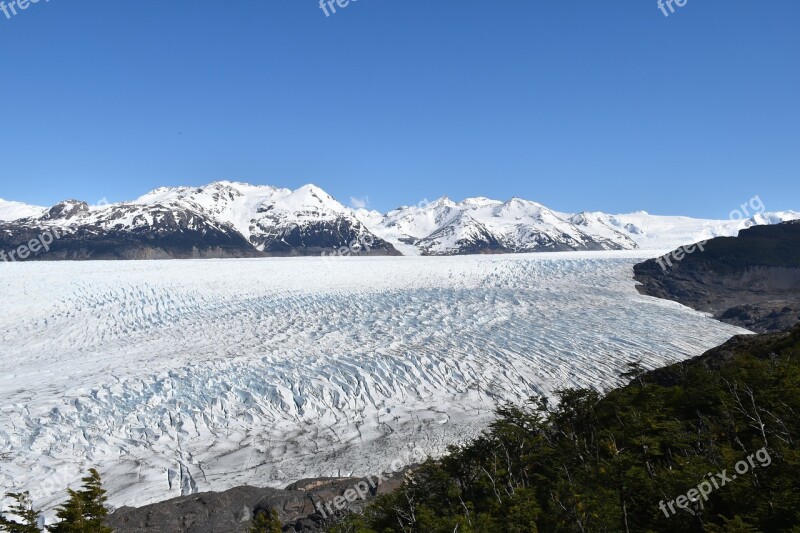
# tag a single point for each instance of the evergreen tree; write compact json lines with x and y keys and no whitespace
{"x":23,"y":509}
{"x":85,"y":511}
{"x":266,"y":523}
{"x":634,"y":371}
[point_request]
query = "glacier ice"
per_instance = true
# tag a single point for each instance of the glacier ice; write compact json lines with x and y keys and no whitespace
{"x":174,"y":377}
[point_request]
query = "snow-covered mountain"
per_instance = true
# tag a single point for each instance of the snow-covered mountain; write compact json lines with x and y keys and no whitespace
{"x":481,"y":225}
{"x":230,"y":219}
{"x":123,"y":231}
{"x":17,"y":210}
{"x":654,"y":232}
{"x":222,"y":219}
{"x":275,"y":221}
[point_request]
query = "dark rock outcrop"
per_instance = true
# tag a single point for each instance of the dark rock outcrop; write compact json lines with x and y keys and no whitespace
{"x":752,"y":280}
{"x":69,"y":232}
{"x":67,"y":210}
{"x":324,"y":237}
{"x":308,"y":506}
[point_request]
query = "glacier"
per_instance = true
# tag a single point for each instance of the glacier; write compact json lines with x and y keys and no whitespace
{"x":176,"y":377}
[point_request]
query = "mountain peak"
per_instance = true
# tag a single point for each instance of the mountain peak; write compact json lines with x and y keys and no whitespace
{"x":310,"y":188}
{"x":444,"y":201}
{"x":67,"y":210}
{"x":10,"y":210}
{"x":308,"y":219}
{"x":481,"y":201}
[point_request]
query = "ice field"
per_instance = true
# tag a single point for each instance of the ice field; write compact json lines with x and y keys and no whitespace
{"x":173,"y":377}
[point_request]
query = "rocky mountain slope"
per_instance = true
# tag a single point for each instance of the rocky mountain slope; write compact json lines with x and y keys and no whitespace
{"x":480,"y":225}
{"x":220,"y":220}
{"x":229,"y":219}
{"x":308,"y":506}
{"x":752,"y":280}
{"x":70,"y":230}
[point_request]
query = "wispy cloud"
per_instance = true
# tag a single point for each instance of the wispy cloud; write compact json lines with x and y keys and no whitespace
{"x":359,"y":203}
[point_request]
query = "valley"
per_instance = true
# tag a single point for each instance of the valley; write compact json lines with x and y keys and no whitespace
{"x":176,"y":377}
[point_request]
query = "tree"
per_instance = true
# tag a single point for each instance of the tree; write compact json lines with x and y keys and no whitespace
{"x":85,"y":511}
{"x":266,"y":523}
{"x":635,"y":371}
{"x":23,"y":509}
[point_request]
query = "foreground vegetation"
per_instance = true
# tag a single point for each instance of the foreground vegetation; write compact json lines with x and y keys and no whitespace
{"x":84,"y":511}
{"x":612,"y":463}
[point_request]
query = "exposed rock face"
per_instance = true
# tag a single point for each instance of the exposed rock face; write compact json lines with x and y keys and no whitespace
{"x":316,"y":239}
{"x":218,"y":221}
{"x":124,"y":232}
{"x":212,"y":512}
{"x":309,"y":221}
{"x":484,"y":226}
{"x":67,"y":210}
{"x":752,"y":280}
{"x":307,"y":506}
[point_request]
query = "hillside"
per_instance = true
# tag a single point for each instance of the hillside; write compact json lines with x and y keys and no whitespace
{"x":752,"y":280}
{"x":662,"y":454}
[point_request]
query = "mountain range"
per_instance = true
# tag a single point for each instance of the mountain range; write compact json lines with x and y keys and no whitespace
{"x":230,"y":219}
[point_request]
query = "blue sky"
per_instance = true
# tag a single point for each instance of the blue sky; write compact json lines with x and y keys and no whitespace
{"x":579,"y":104}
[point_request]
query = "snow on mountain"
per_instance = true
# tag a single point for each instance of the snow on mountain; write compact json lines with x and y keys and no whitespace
{"x":374,"y":221}
{"x":126,"y":231}
{"x":244,"y":206}
{"x":271,"y":219}
{"x":775,"y":217}
{"x":598,"y":224}
{"x":230,"y":202}
{"x":481,"y":225}
{"x":222,"y":219}
{"x":228,"y":218}
{"x":16,"y":210}
{"x":464,"y":234}
{"x":406,"y":226}
{"x":654,"y":232}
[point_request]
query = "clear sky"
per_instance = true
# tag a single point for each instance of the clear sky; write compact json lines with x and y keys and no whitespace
{"x":578,"y":104}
